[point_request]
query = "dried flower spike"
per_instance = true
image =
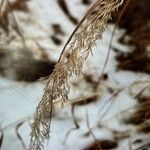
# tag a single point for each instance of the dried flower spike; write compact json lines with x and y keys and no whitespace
{"x":71,"y":62}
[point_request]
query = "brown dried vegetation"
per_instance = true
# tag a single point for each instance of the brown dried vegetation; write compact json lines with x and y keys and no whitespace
{"x":57,"y":29}
{"x":72,"y":59}
{"x":136,"y":21}
{"x":30,"y":70}
{"x":86,"y":2}
{"x":65,"y":9}
{"x":141,"y":116}
{"x":1,"y":139}
{"x":85,"y":101}
{"x":105,"y":145}
{"x":7,"y":8}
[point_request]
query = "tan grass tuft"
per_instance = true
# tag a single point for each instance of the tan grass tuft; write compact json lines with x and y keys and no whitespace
{"x":71,"y":62}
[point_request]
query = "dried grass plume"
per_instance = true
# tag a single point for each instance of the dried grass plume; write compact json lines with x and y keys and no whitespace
{"x":71,"y":62}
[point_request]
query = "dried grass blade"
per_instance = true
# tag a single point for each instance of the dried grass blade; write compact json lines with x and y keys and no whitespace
{"x":1,"y":139}
{"x":19,"y":136}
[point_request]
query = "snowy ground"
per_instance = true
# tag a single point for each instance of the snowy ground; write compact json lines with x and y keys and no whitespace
{"x":19,"y":99}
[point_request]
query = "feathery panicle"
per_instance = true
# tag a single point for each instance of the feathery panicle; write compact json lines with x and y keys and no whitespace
{"x":71,"y":62}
